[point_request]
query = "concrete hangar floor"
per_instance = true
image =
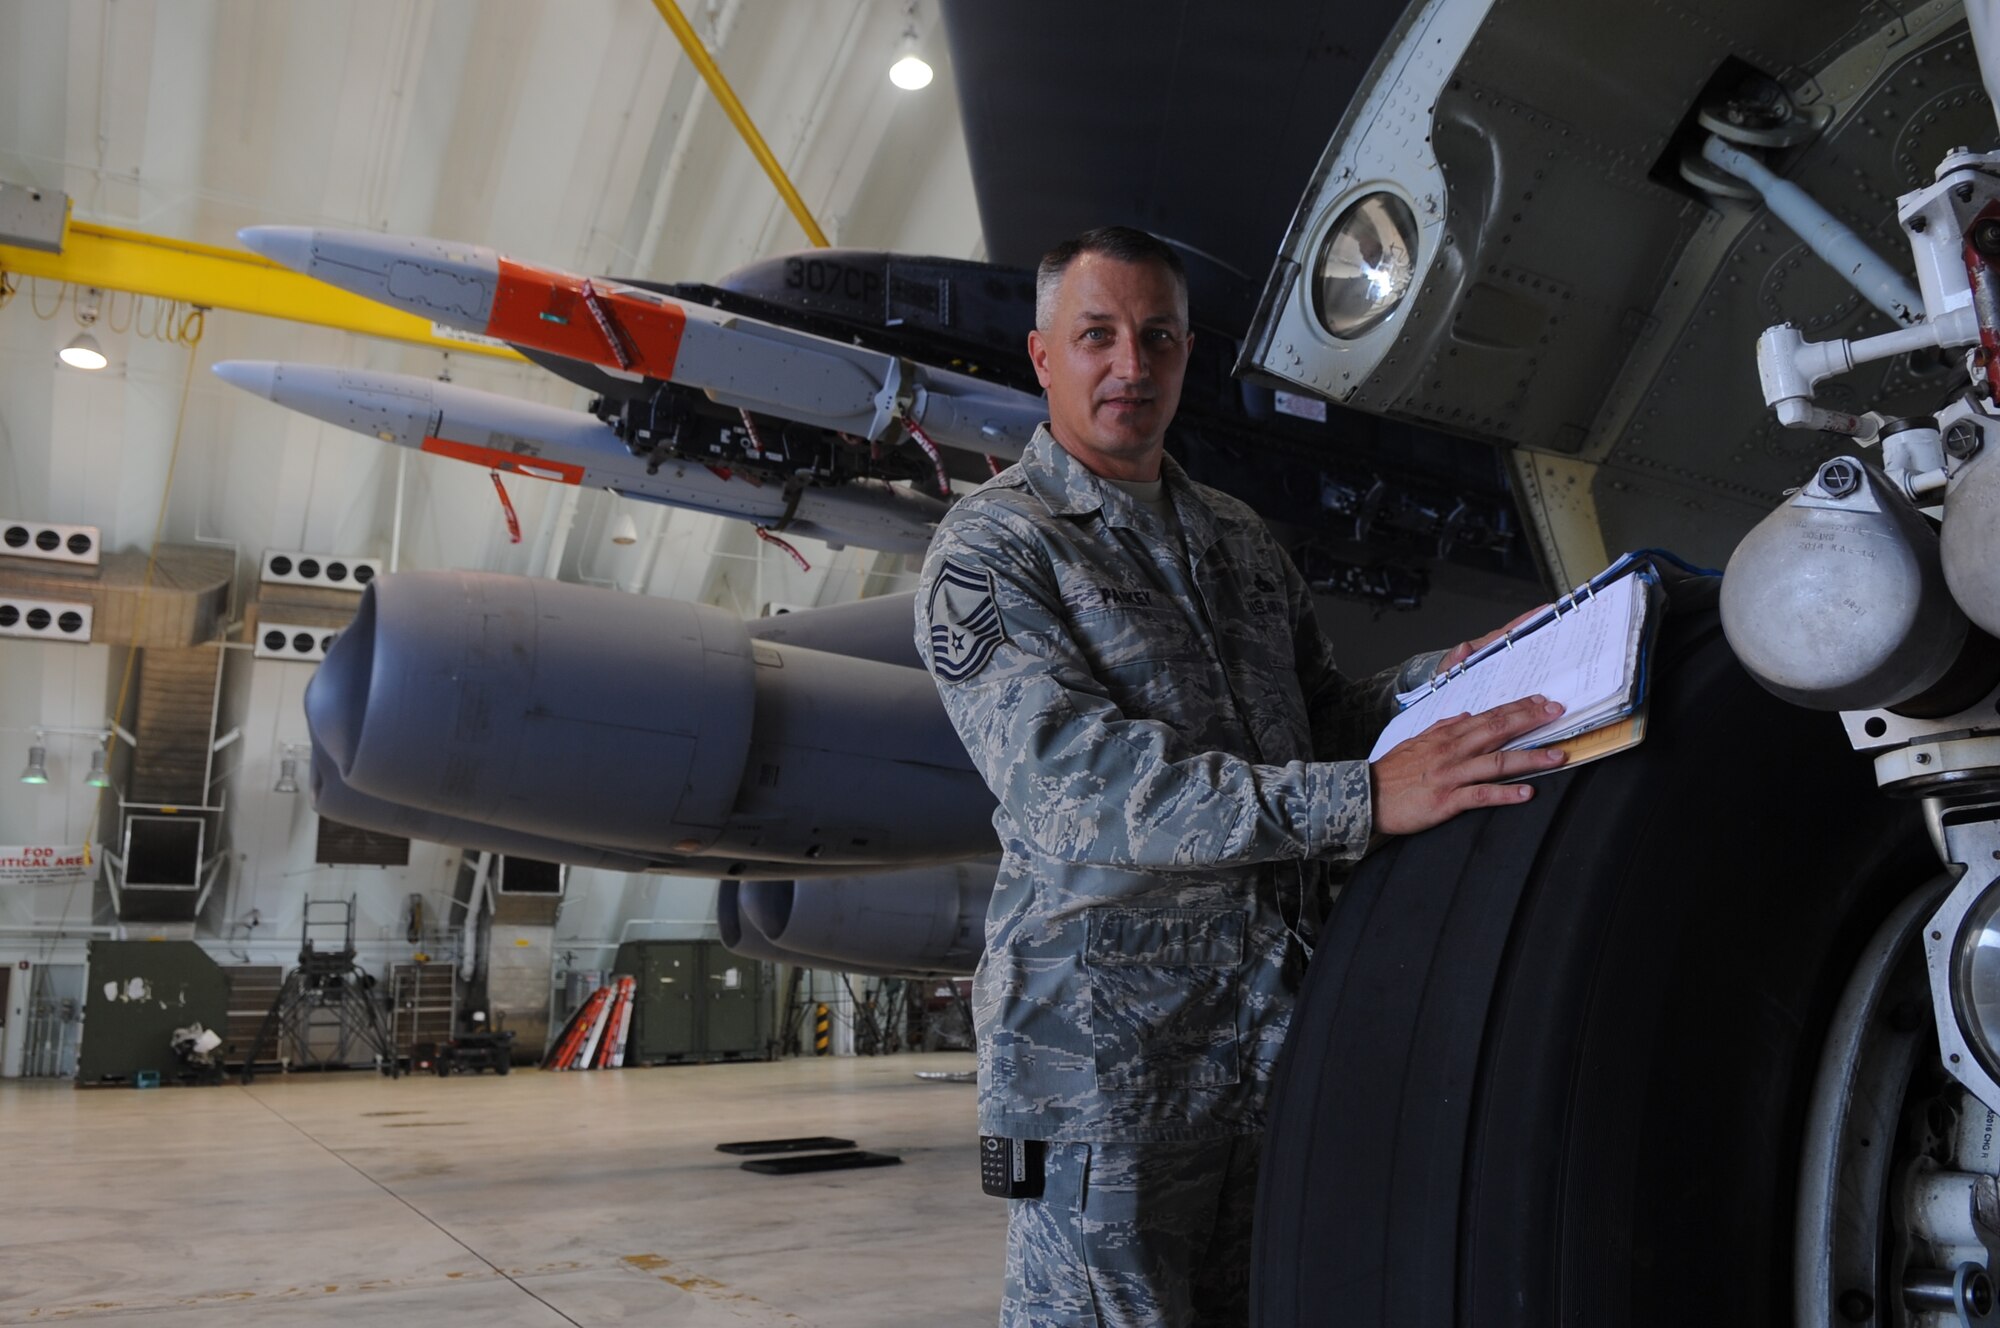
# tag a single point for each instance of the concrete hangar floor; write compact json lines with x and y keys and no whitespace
{"x":534,"y":1200}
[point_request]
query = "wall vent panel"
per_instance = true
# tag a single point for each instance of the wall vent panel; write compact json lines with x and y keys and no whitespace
{"x":329,"y":571}
{"x":49,"y":542}
{"x":293,"y":642}
{"x":45,"y":619}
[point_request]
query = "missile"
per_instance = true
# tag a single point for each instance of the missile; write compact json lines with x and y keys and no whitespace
{"x":737,"y":361}
{"x":568,"y":447}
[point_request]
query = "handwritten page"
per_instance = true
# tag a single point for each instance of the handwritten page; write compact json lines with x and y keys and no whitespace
{"x":1587,"y":658}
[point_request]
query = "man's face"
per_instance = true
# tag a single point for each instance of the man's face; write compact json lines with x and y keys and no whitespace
{"x":1112,"y":360}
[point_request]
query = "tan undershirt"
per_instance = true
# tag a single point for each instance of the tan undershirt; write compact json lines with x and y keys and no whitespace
{"x":1152,"y":494}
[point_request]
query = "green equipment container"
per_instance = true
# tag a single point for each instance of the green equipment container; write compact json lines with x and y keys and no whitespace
{"x":695,"y":1001}
{"x":139,"y":993}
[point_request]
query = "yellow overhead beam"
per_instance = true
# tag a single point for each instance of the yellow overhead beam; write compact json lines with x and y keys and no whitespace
{"x":712,"y":73}
{"x":213,"y":278}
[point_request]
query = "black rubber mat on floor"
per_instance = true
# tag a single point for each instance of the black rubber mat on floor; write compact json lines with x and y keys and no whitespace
{"x":816,"y":1144}
{"x":793,"y":1166}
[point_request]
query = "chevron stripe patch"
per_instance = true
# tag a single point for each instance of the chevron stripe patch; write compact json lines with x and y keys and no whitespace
{"x":965,"y":622}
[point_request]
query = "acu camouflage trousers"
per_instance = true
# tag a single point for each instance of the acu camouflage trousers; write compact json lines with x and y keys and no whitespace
{"x":1135,"y":1235}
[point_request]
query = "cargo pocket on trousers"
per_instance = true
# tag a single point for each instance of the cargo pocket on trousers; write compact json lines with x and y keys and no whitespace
{"x":1163,"y":1002}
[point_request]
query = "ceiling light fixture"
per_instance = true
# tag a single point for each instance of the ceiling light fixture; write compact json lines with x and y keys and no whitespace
{"x":98,"y":776}
{"x":910,"y":72}
{"x":288,"y":766}
{"x":83,"y":352}
{"x":38,"y":763}
{"x":624,"y":530}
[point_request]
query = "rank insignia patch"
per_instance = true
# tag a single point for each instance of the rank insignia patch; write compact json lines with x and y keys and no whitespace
{"x":965,"y":622}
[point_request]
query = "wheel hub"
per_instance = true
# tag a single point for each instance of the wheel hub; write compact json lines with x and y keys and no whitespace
{"x":1899,"y":1185}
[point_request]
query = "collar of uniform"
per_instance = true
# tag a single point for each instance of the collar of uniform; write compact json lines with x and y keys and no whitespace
{"x":1067,"y":486}
{"x":1059,"y":479}
{"x":1069,"y":489}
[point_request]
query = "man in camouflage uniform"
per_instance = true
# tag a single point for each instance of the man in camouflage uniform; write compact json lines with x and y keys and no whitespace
{"x":1134,"y":666}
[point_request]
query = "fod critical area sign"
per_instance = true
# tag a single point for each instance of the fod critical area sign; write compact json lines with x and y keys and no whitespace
{"x":48,"y":864}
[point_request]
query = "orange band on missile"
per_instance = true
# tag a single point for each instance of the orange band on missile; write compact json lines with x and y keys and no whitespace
{"x":535,"y":468}
{"x":546,"y":310}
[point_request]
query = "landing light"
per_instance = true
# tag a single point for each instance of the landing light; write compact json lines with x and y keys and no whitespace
{"x":1366,"y":264}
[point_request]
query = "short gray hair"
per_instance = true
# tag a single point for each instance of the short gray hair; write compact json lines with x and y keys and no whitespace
{"x":1124,"y":243}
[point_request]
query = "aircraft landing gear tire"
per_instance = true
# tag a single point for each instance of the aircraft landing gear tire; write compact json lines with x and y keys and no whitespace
{"x":1554,"y":1064}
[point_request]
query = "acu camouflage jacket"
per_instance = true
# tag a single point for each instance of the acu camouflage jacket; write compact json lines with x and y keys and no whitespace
{"x":1163,"y":725}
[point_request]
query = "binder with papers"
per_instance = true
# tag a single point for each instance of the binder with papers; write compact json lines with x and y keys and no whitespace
{"x":1589,"y":650}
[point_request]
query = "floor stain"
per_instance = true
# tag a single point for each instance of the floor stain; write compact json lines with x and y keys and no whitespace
{"x":423,"y":1124}
{"x":696,"y":1284}
{"x":395,"y":1113}
{"x":646,"y":1263}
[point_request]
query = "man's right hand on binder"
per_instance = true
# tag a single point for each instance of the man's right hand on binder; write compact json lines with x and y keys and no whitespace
{"x":1455,"y":765}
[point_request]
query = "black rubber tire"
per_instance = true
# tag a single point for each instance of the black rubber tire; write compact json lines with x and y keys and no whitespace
{"x":501,"y":1065}
{"x":1550,"y":1063}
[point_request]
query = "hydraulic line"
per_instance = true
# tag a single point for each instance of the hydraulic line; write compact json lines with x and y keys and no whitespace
{"x":1825,"y":234}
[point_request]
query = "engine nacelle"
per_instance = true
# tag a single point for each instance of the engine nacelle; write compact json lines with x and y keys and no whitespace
{"x":637,"y":724}
{"x":881,"y":629}
{"x":741,"y":937}
{"x":1837,"y":600}
{"x":932,"y":919}
{"x":929,"y":921}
